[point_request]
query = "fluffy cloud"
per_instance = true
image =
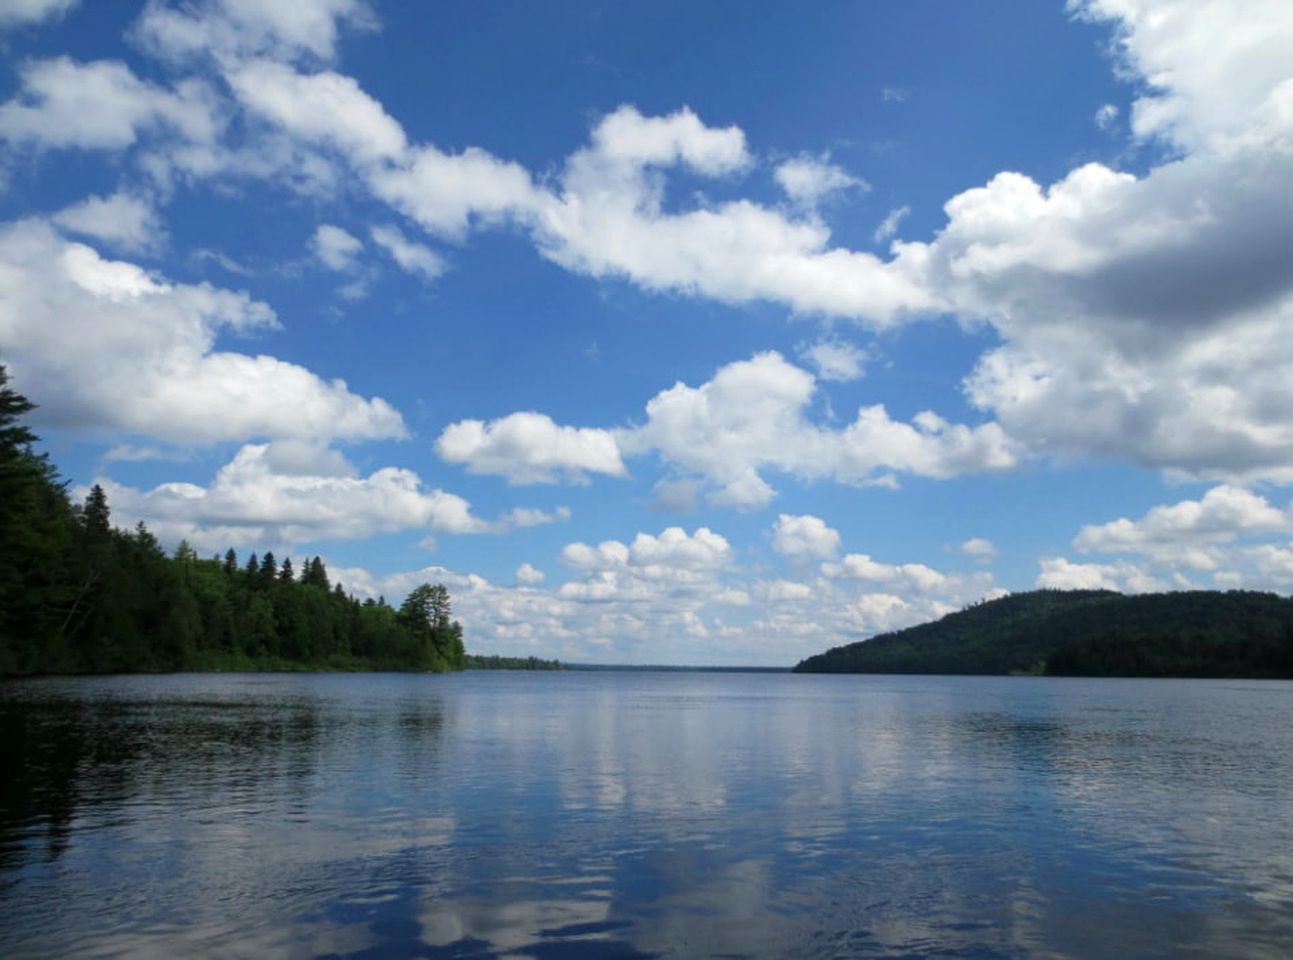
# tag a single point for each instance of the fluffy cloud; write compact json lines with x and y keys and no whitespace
{"x":411,"y":257}
{"x":1214,"y":541}
{"x":749,"y":417}
{"x":529,"y":575}
{"x":1184,"y":532}
{"x":676,"y":597}
{"x":236,"y":29}
{"x":979,"y":548}
{"x":530,"y":448}
{"x":101,"y":105}
{"x":1058,"y":573}
{"x":807,"y":180}
{"x":124,"y":220}
{"x":337,"y":248}
{"x":324,"y":108}
{"x":888,"y":228}
{"x":804,"y":538}
{"x":104,"y":344}
{"x":297,"y":494}
{"x":752,"y":416}
{"x":17,"y":13}
{"x":835,"y":359}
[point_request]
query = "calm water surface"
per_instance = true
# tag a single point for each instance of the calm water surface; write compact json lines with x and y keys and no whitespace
{"x":637,"y":815}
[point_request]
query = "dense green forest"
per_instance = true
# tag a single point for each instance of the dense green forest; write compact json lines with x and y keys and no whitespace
{"x":1095,"y":633}
{"x":490,"y":662}
{"x":79,"y":596}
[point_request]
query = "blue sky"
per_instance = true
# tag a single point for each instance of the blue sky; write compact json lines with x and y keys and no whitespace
{"x":666,"y":333}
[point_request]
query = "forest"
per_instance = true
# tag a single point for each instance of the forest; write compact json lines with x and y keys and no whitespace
{"x":78,"y":595}
{"x":1095,"y":633}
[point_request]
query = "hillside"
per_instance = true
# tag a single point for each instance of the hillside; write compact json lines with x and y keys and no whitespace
{"x":1088,"y":633}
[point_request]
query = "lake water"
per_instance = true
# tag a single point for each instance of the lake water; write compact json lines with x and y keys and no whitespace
{"x":645,"y":814}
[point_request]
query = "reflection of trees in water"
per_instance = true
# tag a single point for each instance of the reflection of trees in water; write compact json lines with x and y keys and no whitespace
{"x":101,"y":759}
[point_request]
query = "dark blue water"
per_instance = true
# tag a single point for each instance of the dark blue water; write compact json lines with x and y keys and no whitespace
{"x":634,"y":815}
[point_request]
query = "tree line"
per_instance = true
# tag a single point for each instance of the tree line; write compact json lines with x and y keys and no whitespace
{"x":1194,"y":633}
{"x":78,"y":595}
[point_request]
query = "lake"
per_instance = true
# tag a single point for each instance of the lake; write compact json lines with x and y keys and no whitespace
{"x":592,"y":815}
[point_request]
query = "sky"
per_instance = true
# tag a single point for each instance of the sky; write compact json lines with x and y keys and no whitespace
{"x":666,"y":332}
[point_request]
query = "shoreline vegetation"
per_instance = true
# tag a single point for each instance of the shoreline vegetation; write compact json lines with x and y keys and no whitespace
{"x":1234,"y":634}
{"x":79,"y":596}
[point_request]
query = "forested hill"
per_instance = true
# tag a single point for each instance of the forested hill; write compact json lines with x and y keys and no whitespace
{"x":1088,"y":633}
{"x":79,"y":596}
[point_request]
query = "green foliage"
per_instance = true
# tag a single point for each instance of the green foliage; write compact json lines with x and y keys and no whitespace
{"x":78,"y":596}
{"x":478,"y":662}
{"x":1088,"y":633}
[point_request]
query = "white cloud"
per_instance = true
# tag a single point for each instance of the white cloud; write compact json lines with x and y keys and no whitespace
{"x":412,"y":257}
{"x":804,"y":537}
{"x":16,"y":13}
{"x":979,"y":548}
{"x":835,"y":359}
{"x":105,"y":344}
{"x":1148,"y":317}
{"x":888,"y":228}
{"x":1209,"y":66}
{"x":529,"y":575}
{"x":530,"y":448}
{"x":236,"y":29}
{"x":1183,"y":532}
{"x":910,"y":577}
{"x":323,"y":108}
{"x":285,"y":493}
{"x":522,"y":517}
{"x":677,"y":597}
{"x":808,"y":180}
{"x":751,"y":416}
{"x":1058,"y":573}
{"x":124,"y":220}
{"x":101,"y":105}
{"x":894,"y":95}
{"x":1106,"y":116}
{"x":337,"y":248}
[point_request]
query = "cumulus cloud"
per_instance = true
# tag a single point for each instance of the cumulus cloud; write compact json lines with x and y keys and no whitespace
{"x":1222,"y":539}
{"x":337,"y":248}
{"x":236,"y":29}
{"x":1106,"y":116}
{"x":1059,"y":573}
{"x":260,"y":498}
{"x":324,"y":108}
{"x":907,"y":577}
{"x":123,"y":220}
{"x":103,"y":343}
{"x":808,"y":180}
{"x":529,"y":575}
{"x":751,"y":416}
{"x":101,"y":105}
{"x":804,"y":537}
{"x":411,"y":257}
{"x":17,"y":13}
{"x":888,"y":228}
{"x":530,"y":448}
{"x":979,"y":548}
{"x":677,"y":597}
{"x":1183,"y":532}
{"x":291,"y":492}
{"x":835,"y":359}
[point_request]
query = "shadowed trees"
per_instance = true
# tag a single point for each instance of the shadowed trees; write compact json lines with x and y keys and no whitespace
{"x":80,"y":596}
